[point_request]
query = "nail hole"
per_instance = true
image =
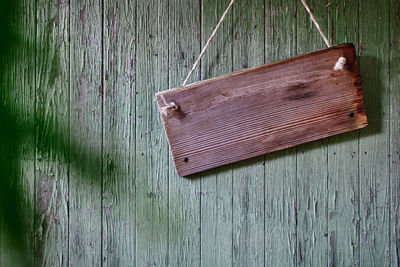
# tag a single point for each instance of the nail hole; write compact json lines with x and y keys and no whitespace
{"x":351,"y":115}
{"x":185,"y":159}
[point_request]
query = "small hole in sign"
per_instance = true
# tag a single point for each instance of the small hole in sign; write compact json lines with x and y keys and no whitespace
{"x":351,"y":115}
{"x":186,"y":159}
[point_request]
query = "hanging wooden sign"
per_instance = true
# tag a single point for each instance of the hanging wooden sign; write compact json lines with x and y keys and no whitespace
{"x":260,"y":110}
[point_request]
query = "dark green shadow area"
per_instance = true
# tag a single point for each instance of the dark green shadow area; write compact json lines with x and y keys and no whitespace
{"x":21,"y":129}
{"x":13,"y":206}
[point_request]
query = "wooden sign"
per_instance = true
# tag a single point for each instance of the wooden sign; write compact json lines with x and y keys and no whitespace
{"x":252,"y":112}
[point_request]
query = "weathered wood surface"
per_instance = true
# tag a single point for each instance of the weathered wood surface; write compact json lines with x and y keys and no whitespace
{"x":375,"y":140}
{"x":87,"y":92}
{"x":98,"y":168}
{"x":280,"y":167}
{"x":264,"y":109}
{"x":342,"y":159}
{"x":184,"y":206}
{"x":52,"y":104}
{"x":17,"y":137}
{"x":394,"y":135}
{"x":248,"y":182}
{"x":118,"y":190}
{"x":216,"y":188}
{"x":151,"y":179}
{"x":311,"y":165}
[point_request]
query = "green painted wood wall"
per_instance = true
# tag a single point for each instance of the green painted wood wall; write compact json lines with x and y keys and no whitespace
{"x":95,"y":167}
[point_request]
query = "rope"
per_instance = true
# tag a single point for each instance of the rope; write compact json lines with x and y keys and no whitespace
{"x":208,"y":42}
{"x":328,"y":44}
{"x":173,"y":106}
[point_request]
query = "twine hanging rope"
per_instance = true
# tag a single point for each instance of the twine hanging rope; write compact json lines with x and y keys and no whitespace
{"x":208,"y":43}
{"x":328,"y":44}
{"x":342,"y":60}
{"x":173,"y":106}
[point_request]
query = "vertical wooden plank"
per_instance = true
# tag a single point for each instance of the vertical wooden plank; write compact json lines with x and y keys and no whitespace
{"x":118,"y":204}
{"x":395,"y":131}
{"x":280,"y":167}
{"x":151,"y":146}
{"x":374,"y":140}
{"x":86,"y":133}
{"x":312,"y":249}
{"x":184,"y":193}
{"x":216,"y":185}
{"x":52,"y":112}
{"x":343,"y":156}
{"x":17,"y":98}
{"x":23,"y":80}
{"x":248,"y":176}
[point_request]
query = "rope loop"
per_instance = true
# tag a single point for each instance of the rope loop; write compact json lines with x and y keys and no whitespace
{"x":168,"y":106}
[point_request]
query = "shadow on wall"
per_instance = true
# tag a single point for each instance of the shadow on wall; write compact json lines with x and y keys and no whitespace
{"x":20,"y":131}
{"x":373,"y":90}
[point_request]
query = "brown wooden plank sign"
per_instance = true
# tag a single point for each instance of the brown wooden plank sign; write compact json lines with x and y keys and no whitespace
{"x":260,"y":110}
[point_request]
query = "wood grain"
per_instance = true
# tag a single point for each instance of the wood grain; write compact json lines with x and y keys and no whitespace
{"x":52,"y":106}
{"x":17,"y":153}
{"x":394,"y":157}
{"x":343,"y":156}
{"x":311,"y":162}
{"x":184,"y":207}
{"x":151,"y":160}
{"x":288,"y":103}
{"x":118,"y":196}
{"x":280,"y":167}
{"x":333,"y":202}
{"x":374,"y":140}
{"x":248,"y":176}
{"x":216,"y":187}
{"x":86,"y":115}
